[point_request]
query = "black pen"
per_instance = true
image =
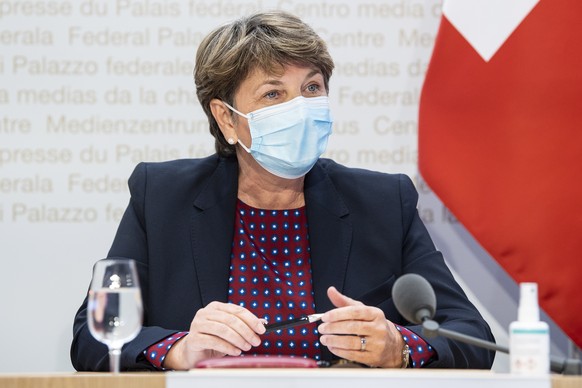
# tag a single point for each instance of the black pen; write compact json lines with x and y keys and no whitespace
{"x":302,"y":320}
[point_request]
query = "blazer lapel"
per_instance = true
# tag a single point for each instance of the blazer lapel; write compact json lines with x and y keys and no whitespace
{"x":330,"y":238}
{"x":330,"y":235}
{"x":212,"y":231}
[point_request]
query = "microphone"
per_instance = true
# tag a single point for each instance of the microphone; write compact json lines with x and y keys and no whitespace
{"x":415,"y":300}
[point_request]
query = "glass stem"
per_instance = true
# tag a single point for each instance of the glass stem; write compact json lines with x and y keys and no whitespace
{"x":114,"y":356}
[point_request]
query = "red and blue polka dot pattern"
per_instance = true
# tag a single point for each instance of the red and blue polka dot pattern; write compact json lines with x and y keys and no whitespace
{"x":270,"y":274}
{"x":421,"y":353}
{"x":156,"y":353}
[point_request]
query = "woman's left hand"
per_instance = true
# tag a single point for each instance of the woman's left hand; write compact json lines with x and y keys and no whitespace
{"x":360,"y":333}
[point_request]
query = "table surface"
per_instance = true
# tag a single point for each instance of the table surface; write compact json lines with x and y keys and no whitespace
{"x":304,"y":378}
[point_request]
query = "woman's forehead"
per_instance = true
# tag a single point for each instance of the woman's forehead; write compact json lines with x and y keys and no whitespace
{"x":279,"y":71}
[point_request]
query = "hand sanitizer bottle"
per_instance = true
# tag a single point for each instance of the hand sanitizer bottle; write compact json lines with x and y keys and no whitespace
{"x":529,"y":338}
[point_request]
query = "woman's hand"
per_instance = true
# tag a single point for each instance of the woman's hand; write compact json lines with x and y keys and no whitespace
{"x":360,"y":333}
{"x":217,"y":330}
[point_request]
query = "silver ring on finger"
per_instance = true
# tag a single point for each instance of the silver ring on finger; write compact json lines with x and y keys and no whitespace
{"x":362,"y":344}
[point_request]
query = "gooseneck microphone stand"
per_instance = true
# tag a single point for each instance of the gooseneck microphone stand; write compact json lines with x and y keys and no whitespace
{"x":430,"y":329}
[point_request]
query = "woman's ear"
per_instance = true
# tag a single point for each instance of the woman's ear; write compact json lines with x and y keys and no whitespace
{"x":223,"y":117}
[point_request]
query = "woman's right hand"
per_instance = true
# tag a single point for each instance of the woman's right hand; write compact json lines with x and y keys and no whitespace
{"x":217,"y":330}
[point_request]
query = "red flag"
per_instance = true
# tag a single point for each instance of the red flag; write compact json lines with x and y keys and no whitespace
{"x":500,"y":142}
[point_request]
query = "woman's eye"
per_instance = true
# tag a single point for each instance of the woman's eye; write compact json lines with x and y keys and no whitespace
{"x":313,"y":88}
{"x":272,"y":94}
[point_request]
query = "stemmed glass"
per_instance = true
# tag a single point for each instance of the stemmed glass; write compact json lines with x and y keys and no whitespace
{"x":114,"y":308}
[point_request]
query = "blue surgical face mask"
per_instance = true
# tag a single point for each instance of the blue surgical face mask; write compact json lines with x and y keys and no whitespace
{"x":288,"y":138}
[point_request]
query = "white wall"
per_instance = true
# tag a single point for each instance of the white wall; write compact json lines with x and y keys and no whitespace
{"x":90,"y":88}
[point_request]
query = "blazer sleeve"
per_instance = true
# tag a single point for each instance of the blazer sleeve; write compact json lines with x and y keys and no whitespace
{"x":454,"y":310}
{"x":87,"y":354}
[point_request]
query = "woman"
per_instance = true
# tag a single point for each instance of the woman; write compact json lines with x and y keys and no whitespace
{"x":264,"y":230}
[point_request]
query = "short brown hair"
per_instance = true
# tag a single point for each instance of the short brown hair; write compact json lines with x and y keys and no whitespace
{"x":266,"y":41}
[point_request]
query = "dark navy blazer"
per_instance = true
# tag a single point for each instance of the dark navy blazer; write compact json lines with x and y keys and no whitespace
{"x":364,"y":233}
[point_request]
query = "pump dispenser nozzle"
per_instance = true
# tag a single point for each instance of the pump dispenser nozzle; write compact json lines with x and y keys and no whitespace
{"x":528,"y":310}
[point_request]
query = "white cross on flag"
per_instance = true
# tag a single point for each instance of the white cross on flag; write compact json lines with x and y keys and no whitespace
{"x":500,"y":139}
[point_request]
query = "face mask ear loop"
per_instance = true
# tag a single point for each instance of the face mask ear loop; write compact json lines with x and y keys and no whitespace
{"x":235,"y":111}
{"x":243,"y":115}
{"x":244,"y":146}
